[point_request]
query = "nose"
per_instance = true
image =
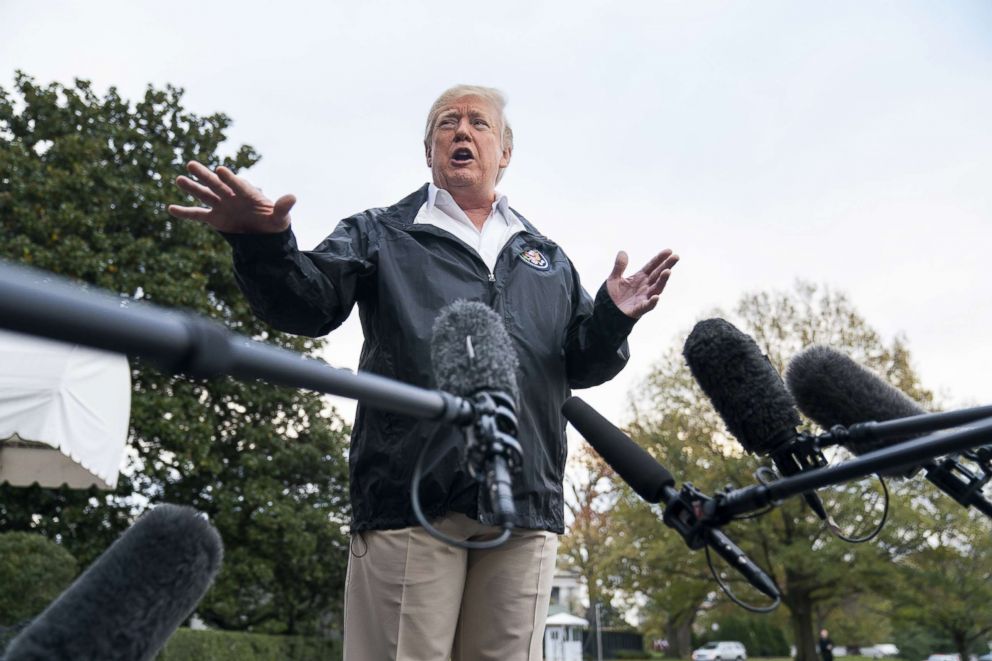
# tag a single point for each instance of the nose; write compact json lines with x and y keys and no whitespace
{"x":462,"y":132}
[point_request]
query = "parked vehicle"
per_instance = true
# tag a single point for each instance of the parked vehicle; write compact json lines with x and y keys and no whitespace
{"x":880,"y":651}
{"x":721,"y":651}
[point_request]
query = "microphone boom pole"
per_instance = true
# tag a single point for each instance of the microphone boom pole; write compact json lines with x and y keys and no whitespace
{"x":904,"y":455}
{"x":46,"y":305}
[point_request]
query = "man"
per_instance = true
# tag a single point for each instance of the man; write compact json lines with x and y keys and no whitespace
{"x":409,"y":596}
{"x":826,"y":646}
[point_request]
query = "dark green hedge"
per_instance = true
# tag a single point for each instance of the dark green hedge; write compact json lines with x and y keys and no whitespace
{"x":187,"y":644}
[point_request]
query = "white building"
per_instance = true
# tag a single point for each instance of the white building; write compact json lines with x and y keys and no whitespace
{"x":563,"y":629}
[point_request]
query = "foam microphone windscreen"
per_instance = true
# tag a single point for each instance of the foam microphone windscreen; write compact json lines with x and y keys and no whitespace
{"x":632,"y":463}
{"x":743,"y":385}
{"x":128,"y":603}
{"x":472,"y":352}
{"x":831,"y":389}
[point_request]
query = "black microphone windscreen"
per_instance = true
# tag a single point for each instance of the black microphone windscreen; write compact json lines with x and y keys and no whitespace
{"x":831,"y":389}
{"x":130,"y":601}
{"x":471,"y":351}
{"x":743,"y":385}
{"x":632,"y":463}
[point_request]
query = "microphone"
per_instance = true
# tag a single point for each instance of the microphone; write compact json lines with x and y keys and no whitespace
{"x":751,"y":398}
{"x":130,"y":601}
{"x":633,"y":464}
{"x":652,"y":482}
{"x":473,"y":357}
{"x":831,"y":389}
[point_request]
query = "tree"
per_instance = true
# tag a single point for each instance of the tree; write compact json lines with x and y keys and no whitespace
{"x":84,"y":181}
{"x":588,"y":547}
{"x":33,"y":571}
{"x":675,"y":423}
{"x":945,"y":588}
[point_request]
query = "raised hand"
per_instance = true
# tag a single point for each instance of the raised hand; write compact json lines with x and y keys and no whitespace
{"x":639,"y":293}
{"x":233,"y":205}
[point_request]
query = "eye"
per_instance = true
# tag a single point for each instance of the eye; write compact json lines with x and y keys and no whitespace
{"x":446,"y":121}
{"x":481,"y":123}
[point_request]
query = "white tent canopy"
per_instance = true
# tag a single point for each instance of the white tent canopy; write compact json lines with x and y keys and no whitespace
{"x":565,"y":620}
{"x":64,"y":413}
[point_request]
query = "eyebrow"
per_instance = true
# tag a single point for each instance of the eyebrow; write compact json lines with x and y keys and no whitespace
{"x":457,"y":113}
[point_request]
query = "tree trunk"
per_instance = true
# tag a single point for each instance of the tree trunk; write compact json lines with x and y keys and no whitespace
{"x":680,"y":635}
{"x":960,"y":644}
{"x":801,"y":615}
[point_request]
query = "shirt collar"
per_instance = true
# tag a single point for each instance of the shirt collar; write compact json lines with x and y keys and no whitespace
{"x":440,"y":198}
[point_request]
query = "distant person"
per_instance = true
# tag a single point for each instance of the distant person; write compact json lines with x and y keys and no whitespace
{"x":826,"y":646}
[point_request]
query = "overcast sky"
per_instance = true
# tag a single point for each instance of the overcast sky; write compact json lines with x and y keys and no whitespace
{"x":845,"y":143}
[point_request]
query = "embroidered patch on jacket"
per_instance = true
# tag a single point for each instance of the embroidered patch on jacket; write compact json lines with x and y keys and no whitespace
{"x":535,"y":259}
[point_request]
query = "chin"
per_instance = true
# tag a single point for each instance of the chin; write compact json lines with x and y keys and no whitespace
{"x":462,"y":179}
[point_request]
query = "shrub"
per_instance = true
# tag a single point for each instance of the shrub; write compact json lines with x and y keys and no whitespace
{"x":33,"y":571}
{"x":188,"y":644}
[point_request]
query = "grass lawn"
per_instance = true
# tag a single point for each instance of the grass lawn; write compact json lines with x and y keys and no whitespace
{"x":655,"y":657}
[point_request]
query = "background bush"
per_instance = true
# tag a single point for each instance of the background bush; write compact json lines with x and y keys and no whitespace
{"x":188,"y":644}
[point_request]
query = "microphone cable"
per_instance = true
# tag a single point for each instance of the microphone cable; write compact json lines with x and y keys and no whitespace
{"x":418,"y":473}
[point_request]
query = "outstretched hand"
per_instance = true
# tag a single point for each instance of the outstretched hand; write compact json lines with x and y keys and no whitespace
{"x":640,"y":292}
{"x":233,"y":205}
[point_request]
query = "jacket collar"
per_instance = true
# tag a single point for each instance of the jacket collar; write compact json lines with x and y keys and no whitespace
{"x":405,"y":211}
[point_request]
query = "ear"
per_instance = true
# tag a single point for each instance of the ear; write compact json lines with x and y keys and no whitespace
{"x":427,"y":154}
{"x":505,"y":158}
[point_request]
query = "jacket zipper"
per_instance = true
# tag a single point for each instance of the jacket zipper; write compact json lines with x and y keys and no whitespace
{"x":472,"y":253}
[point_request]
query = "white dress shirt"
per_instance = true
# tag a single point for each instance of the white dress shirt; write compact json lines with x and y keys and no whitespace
{"x":442,"y":211}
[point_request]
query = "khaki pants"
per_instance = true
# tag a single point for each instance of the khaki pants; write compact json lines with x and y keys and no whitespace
{"x":410,"y":597}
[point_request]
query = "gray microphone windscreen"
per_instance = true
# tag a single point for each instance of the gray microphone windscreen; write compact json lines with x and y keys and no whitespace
{"x":831,"y":389}
{"x":742,"y":384}
{"x":472,"y":352}
{"x":131,"y":600}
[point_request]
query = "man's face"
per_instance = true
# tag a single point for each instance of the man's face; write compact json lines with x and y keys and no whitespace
{"x":465,"y":150}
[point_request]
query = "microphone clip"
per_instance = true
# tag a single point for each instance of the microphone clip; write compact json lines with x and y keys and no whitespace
{"x":493,"y":433}
{"x":687,"y":512}
{"x":803,"y":454}
{"x":958,"y":481}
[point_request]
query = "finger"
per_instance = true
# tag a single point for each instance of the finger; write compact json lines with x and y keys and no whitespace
{"x":658,"y":286}
{"x":619,"y":266}
{"x":188,"y":213}
{"x":199,"y":191}
{"x":237,"y":184}
{"x":667,"y":265}
{"x":649,"y":305}
{"x":643,"y":308}
{"x":209,"y":179}
{"x":283,"y":205}
{"x":656,"y":261}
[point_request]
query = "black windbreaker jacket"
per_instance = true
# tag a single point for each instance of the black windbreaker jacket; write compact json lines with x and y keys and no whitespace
{"x":401,"y":275}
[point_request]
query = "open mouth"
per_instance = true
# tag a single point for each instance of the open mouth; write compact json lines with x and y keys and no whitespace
{"x":462,"y":155}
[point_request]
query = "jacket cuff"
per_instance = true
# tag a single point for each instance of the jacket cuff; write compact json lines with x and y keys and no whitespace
{"x":251,"y":247}
{"x":614,"y":325}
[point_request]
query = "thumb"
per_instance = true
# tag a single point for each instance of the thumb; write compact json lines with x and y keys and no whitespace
{"x":282,"y":206}
{"x":619,"y":266}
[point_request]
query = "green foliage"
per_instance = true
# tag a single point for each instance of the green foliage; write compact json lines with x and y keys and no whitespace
{"x":915,"y":642}
{"x":945,"y":588}
{"x":187,"y":644}
{"x":84,"y":181}
{"x":33,"y":571}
